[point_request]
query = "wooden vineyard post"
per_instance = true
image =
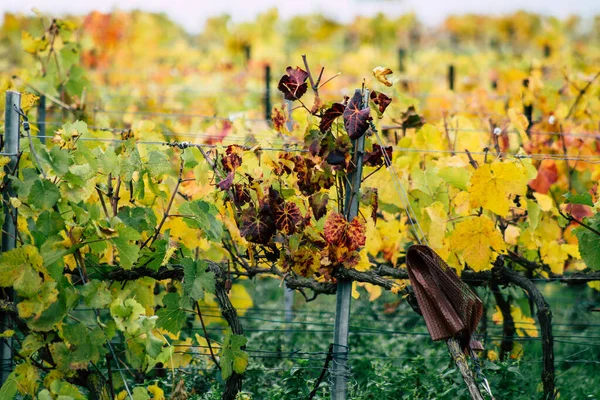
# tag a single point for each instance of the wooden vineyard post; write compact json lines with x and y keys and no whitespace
{"x":247,"y":53}
{"x":9,"y":227}
{"x":41,"y":118}
{"x":460,"y":359}
{"x":339,"y":370}
{"x":401,"y":59}
{"x":268,"y":92}
{"x":451,"y":77}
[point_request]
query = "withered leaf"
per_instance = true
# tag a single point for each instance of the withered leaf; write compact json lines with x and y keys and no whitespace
{"x":279,"y":118}
{"x":227,"y":182}
{"x":381,"y":100}
{"x":232,"y":158}
{"x":356,"y":119}
{"x":375,"y":157}
{"x":318,"y":204}
{"x":331,"y":114}
{"x":293,"y":85}
{"x":381,"y":73}
{"x":241,"y":195}
{"x":410,"y":119}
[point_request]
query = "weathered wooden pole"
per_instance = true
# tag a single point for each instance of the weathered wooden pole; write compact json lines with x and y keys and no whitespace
{"x":9,"y":226}
{"x":339,"y":370}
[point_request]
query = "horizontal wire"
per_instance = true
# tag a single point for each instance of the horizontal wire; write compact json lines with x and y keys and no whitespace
{"x":588,"y":135}
{"x":185,"y":144}
{"x":179,"y":115}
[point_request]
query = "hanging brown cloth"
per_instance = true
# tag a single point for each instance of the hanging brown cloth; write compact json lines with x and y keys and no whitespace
{"x":450,"y":307}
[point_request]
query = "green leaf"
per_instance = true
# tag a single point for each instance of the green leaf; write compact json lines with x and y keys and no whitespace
{"x":107,"y":160}
{"x":139,"y":218}
{"x":200,"y":214}
{"x":67,"y":299}
{"x":127,"y":315}
{"x":58,"y":159}
{"x":96,"y":294}
{"x":29,"y":283}
{"x":457,"y":177}
{"x":197,"y":280}
{"x":128,"y":252}
{"x":140,"y":393}
{"x":158,"y":164}
{"x":77,"y":82}
{"x":589,"y":242}
{"x":233,"y":357}
{"x":10,"y":387}
{"x":171,"y":317}
{"x":49,"y":223}
{"x":43,"y":194}
{"x":153,"y":257}
{"x":190,"y":156}
{"x":579,"y":198}
{"x":30,"y":345}
{"x":65,"y":390}
{"x":13,"y":263}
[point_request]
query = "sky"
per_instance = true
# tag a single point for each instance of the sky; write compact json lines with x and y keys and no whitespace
{"x":192,"y":13}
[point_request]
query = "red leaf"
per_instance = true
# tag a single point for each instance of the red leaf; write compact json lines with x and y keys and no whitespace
{"x":381,"y":100}
{"x":287,"y":218}
{"x":331,"y":114}
{"x":335,"y":229}
{"x":356,"y":235}
{"x":257,"y":226}
{"x":356,"y":119}
{"x":293,"y":85}
{"x":339,"y":232}
{"x":547,"y":175}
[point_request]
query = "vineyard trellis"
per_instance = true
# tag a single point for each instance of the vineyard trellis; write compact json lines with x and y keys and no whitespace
{"x":383,"y":274}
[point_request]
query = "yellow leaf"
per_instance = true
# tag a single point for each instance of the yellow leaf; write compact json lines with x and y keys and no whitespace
{"x":519,"y":122}
{"x":492,"y":356}
{"x":28,"y":100}
{"x":511,"y":234}
{"x":437,"y":227}
{"x":203,"y":349}
{"x":355,"y":292}
{"x":429,"y":137}
{"x":594,"y":285}
{"x":32,"y":45}
{"x":156,"y":392}
{"x":461,"y":204}
{"x":475,"y":239}
{"x":381,"y":73}
{"x":180,"y":357}
{"x":363,"y":264}
{"x":493,"y":186}
{"x":525,"y":326}
{"x":544,"y":201}
{"x":373,"y":290}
